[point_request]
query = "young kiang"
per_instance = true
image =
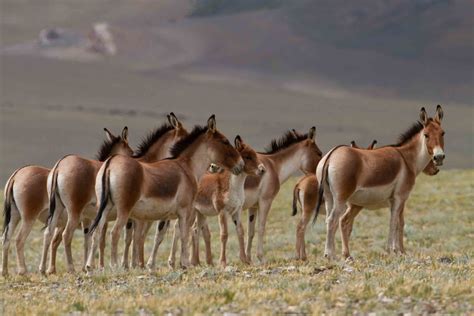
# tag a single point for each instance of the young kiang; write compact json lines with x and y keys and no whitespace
{"x":70,"y":187}
{"x":221,"y":194}
{"x":161,"y":190}
{"x":73,"y":186}
{"x":305,"y":194}
{"x":378,"y":178}
{"x":26,"y":200}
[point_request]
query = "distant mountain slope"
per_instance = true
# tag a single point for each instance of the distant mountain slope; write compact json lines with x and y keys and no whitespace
{"x":409,"y":49}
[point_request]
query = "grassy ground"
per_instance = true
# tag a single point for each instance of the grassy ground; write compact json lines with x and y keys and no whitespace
{"x":435,"y":275}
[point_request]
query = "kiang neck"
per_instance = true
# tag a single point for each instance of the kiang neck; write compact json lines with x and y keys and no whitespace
{"x":287,"y":162}
{"x":415,"y":153}
{"x":237,"y":181}
{"x":195,"y":157}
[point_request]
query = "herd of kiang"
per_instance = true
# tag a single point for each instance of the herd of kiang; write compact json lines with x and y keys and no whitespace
{"x":189,"y":176}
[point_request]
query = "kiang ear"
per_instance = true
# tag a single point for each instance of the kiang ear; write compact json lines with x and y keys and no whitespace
{"x":373,"y":145}
{"x":312,"y":133}
{"x":125,"y":134}
{"x":211,"y":124}
{"x":294,"y":132}
{"x":353,"y":144}
{"x":423,"y":116}
{"x":238,"y":142}
{"x":439,"y":114}
{"x":108,"y":134}
{"x":174,"y":120}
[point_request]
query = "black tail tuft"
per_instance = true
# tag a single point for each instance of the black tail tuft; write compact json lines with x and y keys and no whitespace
{"x":104,"y":198}
{"x":296,"y":192}
{"x":7,"y":205}
{"x":52,"y":195}
{"x":320,"y":200}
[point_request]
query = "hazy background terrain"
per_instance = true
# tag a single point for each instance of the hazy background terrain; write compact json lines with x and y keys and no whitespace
{"x":357,"y":70}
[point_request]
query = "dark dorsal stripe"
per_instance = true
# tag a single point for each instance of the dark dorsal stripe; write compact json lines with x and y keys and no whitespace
{"x":106,"y":148}
{"x":409,"y":134}
{"x":181,"y":145}
{"x":151,"y":139}
{"x":288,"y":139}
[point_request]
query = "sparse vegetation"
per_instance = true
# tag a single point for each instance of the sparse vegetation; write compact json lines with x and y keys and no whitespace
{"x":435,"y":275}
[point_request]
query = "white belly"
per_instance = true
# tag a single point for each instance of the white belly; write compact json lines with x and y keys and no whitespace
{"x":373,"y":197}
{"x":154,"y":209}
{"x":206,"y":209}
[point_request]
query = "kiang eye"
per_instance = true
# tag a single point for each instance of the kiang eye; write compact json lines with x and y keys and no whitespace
{"x":426,"y":136}
{"x":442,"y":134}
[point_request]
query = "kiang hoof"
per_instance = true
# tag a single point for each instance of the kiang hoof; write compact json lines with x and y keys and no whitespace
{"x":89,"y":269}
{"x":22,"y":272}
{"x":150,"y":266}
{"x":51,"y":271}
{"x":329,"y":257}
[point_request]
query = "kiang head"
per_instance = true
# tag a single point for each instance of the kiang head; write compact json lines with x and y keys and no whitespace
{"x":252,"y":165}
{"x":219,"y":149}
{"x":433,"y":135}
{"x":114,"y":145}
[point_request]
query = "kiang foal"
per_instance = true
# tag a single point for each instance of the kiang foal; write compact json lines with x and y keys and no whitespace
{"x":223,"y":194}
{"x":378,"y":178}
{"x":161,"y":190}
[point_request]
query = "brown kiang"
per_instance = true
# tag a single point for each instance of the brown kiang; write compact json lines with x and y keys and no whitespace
{"x":378,"y":178}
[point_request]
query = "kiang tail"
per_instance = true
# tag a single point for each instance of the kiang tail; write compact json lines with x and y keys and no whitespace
{"x":296,"y":192}
{"x":324,"y":177}
{"x":105,"y":194}
{"x":7,"y":203}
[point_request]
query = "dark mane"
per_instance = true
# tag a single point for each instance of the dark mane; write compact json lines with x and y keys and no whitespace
{"x":152,"y":138}
{"x":106,"y":149}
{"x":288,"y":139}
{"x":181,"y":145}
{"x":409,"y":134}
